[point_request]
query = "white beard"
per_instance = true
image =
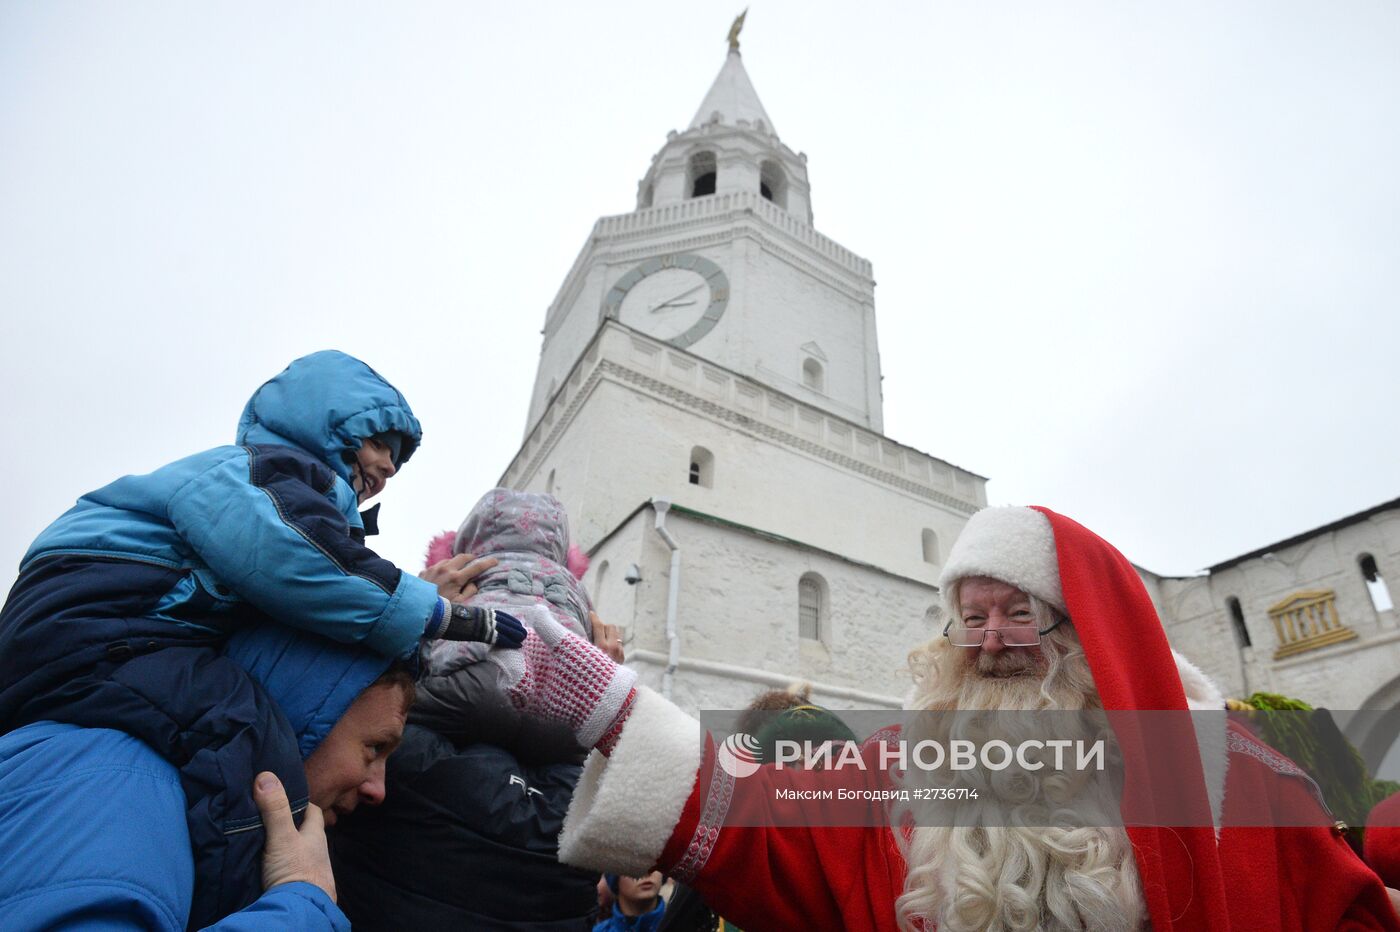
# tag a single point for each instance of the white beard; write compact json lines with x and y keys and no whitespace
{"x":992,"y":877}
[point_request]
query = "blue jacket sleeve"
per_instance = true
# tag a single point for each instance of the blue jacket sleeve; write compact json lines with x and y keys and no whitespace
{"x":93,"y":837}
{"x":264,"y":522}
{"x":301,"y":906}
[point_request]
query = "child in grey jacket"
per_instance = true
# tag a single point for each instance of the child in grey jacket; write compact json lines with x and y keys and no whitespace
{"x":527,"y":533}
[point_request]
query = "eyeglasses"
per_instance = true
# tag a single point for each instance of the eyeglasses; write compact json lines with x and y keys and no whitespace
{"x":1011,"y":635}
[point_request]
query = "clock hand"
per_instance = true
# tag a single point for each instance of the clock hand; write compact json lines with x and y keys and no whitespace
{"x":670,"y":304}
{"x":672,"y":301}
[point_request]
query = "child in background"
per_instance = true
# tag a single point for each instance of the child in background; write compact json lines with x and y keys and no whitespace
{"x":639,"y":906}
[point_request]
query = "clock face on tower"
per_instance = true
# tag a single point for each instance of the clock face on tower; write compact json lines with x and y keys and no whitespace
{"x":677,"y":298}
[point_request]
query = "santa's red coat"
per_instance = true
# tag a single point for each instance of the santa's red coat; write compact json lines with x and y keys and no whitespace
{"x":1383,"y":840}
{"x":660,"y":800}
{"x":847,"y":878}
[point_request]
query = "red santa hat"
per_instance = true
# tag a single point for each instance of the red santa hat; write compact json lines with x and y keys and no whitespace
{"x":1084,"y":576}
{"x":1080,"y":573}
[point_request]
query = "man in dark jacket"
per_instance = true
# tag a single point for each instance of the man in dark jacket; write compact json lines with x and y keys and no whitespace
{"x":467,"y":839}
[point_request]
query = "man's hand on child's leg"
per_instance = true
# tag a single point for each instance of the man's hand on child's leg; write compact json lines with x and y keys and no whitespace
{"x":290,"y":853}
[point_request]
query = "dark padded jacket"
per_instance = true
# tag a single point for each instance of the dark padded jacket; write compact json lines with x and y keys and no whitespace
{"x":466,"y":839}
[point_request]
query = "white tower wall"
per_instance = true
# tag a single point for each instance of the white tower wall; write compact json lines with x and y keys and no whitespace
{"x":722,"y":330}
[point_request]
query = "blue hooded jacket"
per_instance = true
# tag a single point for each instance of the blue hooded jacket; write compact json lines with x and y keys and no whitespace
{"x":271,"y":523}
{"x":92,"y":822}
{"x":121,"y":604}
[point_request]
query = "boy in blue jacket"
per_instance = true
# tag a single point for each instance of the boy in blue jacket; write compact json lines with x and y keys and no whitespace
{"x":638,"y":907}
{"x":121,"y":604}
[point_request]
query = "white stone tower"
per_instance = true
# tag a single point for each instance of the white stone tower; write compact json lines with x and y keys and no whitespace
{"x":708,"y":407}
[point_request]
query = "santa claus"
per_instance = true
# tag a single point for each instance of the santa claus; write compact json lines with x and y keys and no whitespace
{"x":1042,"y":615}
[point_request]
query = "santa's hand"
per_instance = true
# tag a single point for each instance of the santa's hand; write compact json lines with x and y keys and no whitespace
{"x":290,"y":853}
{"x":559,"y":676}
{"x":484,"y":625}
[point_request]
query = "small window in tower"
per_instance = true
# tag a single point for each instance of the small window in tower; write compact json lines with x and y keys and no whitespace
{"x":549,"y":484}
{"x":1375,"y":584}
{"x":702,"y":468}
{"x":812,"y":375}
{"x":701,"y":174}
{"x":1237,"y":621}
{"x":772,"y":183}
{"x":811,"y":596}
{"x":930,"y":546}
{"x":648,"y":193}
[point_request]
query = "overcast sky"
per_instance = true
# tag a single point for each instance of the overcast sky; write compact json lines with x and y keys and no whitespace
{"x":1137,"y":262}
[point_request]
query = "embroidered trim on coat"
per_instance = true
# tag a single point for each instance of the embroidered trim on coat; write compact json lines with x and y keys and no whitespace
{"x":702,"y":843}
{"x":1277,"y":763}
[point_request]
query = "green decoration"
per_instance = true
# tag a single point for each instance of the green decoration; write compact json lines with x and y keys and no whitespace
{"x":1310,"y":738}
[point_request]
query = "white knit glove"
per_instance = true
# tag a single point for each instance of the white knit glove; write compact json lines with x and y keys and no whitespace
{"x":557,"y":675}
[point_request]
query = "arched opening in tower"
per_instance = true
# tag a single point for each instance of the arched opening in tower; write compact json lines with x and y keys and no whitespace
{"x":701,"y":174}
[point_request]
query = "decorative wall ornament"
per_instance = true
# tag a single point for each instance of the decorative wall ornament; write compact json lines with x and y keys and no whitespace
{"x":1308,"y":620}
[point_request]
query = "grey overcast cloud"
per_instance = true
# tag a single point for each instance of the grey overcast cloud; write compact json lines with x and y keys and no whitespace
{"x":1137,"y":262}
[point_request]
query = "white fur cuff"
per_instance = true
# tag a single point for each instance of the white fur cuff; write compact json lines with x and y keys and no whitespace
{"x":626,"y":806}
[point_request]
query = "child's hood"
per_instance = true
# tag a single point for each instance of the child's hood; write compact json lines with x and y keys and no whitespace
{"x":507,"y":521}
{"x":326,"y":404}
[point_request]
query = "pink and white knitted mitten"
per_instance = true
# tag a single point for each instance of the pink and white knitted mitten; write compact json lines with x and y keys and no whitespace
{"x":558,"y":675}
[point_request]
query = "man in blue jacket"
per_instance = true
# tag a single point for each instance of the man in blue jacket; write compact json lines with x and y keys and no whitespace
{"x":122,"y":603}
{"x":92,"y":821}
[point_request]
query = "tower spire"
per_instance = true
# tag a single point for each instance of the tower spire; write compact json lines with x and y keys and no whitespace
{"x":732,"y":97}
{"x":730,"y":147}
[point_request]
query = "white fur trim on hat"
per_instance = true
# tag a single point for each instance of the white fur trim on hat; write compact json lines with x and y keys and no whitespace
{"x":1013,"y":544}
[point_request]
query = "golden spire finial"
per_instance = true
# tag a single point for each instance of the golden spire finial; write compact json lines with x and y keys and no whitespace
{"x":734,"y":30}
